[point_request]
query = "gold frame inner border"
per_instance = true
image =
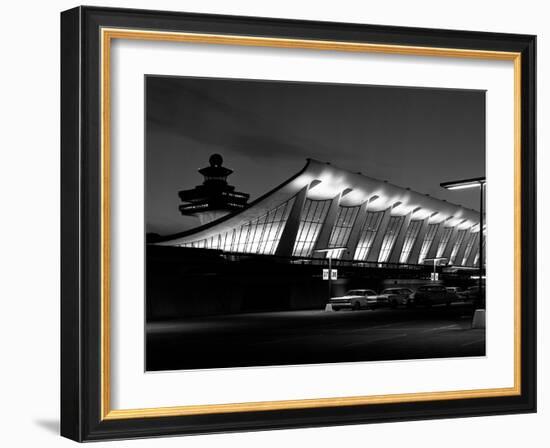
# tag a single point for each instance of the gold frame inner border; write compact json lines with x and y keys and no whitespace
{"x":107,"y":36}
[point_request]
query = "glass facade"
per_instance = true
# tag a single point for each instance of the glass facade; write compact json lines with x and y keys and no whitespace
{"x":469,"y":247}
{"x":458,"y":242}
{"x":394,"y":226}
{"x":410,"y":238}
{"x":342,"y":228}
{"x":311,"y":220}
{"x":427,"y":243}
{"x":368,"y":232}
{"x":259,"y":236}
{"x":262,"y":235}
{"x":447,"y":231}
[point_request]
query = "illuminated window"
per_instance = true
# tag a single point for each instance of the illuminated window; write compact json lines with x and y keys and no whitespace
{"x":469,"y":247}
{"x":476,"y":260}
{"x":311,"y":221}
{"x":447,"y":231}
{"x":260,"y":236}
{"x":427,"y":243}
{"x":342,"y":228}
{"x":394,"y":226}
{"x":272,"y":230}
{"x":241,"y":235}
{"x":410,"y":238}
{"x":368,"y":232}
{"x":458,"y":242}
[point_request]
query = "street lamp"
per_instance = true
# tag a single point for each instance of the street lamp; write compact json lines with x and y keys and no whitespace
{"x":330,"y":252}
{"x":462,"y":185}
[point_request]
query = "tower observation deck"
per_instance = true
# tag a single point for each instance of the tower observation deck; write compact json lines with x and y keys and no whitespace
{"x":215,"y":197}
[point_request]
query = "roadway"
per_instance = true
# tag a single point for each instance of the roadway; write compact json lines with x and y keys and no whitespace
{"x":314,"y":336}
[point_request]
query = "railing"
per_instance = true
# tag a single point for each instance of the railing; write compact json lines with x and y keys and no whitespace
{"x":322,"y":261}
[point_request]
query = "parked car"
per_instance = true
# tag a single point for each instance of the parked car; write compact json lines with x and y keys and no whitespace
{"x":396,"y":296}
{"x":460,"y":293}
{"x":429,"y":295}
{"x":355,"y":299}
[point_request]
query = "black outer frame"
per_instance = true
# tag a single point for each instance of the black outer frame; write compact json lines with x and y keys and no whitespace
{"x":80,"y":224}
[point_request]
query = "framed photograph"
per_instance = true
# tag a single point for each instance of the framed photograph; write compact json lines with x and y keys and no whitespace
{"x":276,"y":224}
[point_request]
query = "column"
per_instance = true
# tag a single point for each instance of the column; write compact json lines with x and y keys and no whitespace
{"x":288,"y":237}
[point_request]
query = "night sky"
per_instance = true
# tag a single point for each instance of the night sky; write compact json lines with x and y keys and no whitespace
{"x":412,"y":137}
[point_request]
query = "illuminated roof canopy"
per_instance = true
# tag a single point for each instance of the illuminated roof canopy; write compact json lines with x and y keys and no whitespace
{"x":324,"y":207}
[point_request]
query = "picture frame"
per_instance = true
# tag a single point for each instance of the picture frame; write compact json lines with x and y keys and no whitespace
{"x":86,"y":207}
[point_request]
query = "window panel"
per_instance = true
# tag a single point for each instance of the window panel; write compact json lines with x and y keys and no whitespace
{"x":476,"y":260}
{"x":260,"y":236}
{"x":394,"y":226}
{"x":410,"y":238}
{"x":458,"y":242}
{"x":368,"y":233}
{"x":469,"y":247}
{"x":447,"y":231}
{"x":342,"y":228}
{"x":311,"y":221}
{"x":427,"y":243}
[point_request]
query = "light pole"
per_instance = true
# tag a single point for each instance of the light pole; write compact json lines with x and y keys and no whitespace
{"x":330,"y":251}
{"x":435,"y":261}
{"x":477,"y":182}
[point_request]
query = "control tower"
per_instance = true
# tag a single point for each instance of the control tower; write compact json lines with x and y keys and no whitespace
{"x":215,"y":197}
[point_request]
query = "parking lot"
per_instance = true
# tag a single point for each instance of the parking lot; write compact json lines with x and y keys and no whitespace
{"x":313,"y":336}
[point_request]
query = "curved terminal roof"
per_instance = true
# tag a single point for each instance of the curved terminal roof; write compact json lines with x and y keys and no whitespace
{"x":326,"y":181}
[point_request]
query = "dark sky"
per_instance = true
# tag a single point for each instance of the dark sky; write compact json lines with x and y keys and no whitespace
{"x":412,"y":137}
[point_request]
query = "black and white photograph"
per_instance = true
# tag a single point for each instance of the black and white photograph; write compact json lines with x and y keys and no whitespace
{"x":274,"y":221}
{"x":277,"y":224}
{"x":293,"y":223}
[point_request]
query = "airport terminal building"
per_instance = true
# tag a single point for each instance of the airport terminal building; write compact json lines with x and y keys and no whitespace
{"x":359,"y":219}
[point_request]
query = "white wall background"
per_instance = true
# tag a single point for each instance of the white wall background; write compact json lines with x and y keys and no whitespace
{"x":29,"y":186}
